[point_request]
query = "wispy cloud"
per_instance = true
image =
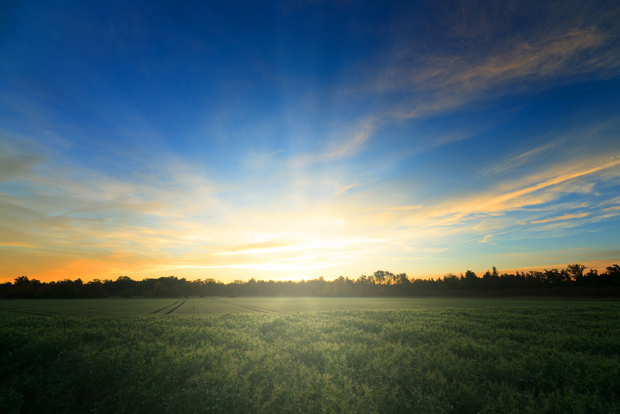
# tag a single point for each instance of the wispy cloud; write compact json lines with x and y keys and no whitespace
{"x":183,"y":224}
{"x":484,"y":216}
{"x":592,"y":167}
{"x":341,"y":189}
{"x":392,"y":208}
{"x":512,"y":162}
{"x":546,"y":55}
{"x":532,"y":190}
{"x":344,"y":144}
{"x":486,"y":238}
{"x":418,"y":83}
{"x":566,"y":216}
{"x":17,"y":244}
{"x":430,"y":84}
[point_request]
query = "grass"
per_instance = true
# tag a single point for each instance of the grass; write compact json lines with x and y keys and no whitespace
{"x":268,"y":305}
{"x":467,"y":359}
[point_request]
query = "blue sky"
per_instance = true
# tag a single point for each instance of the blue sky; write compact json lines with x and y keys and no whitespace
{"x":289,"y":140}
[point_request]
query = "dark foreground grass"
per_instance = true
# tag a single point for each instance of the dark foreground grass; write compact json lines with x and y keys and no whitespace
{"x":491,"y":360}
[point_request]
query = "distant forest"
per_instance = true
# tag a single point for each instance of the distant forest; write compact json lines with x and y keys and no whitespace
{"x":573,"y":281}
{"x":570,"y":282}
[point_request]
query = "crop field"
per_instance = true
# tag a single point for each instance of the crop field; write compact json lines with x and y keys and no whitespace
{"x":303,"y":355}
{"x":267,"y":305}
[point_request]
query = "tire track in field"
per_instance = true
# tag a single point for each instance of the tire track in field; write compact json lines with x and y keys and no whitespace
{"x":50,"y":314}
{"x":266,"y":310}
{"x":165,"y":307}
{"x":254,"y":308}
{"x":176,"y":307}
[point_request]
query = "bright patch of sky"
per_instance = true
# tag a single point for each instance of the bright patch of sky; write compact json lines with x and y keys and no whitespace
{"x":291,"y":140}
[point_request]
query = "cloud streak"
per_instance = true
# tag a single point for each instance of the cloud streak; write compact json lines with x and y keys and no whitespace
{"x":449,"y":82}
{"x":562,"y":217}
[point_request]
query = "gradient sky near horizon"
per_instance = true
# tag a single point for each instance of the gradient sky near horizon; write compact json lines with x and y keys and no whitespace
{"x":289,"y":140}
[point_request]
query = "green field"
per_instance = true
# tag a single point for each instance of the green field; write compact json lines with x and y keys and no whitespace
{"x":305,"y":355}
{"x":266,"y":305}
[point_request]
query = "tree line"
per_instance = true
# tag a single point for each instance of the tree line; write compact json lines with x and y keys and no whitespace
{"x":573,"y":281}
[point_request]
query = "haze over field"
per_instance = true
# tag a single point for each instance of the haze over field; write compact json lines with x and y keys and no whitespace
{"x":290,"y":140}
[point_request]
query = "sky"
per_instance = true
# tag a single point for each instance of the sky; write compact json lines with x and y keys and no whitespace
{"x":292,"y":140}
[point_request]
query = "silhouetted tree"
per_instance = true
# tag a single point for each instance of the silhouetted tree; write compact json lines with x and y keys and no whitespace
{"x":160,"y":290}
{"x":126,"y":293}
{"x":379,"y":276}
{"x":571,"y":281}
{"x":576,"y":272}
{"x":470,"y":280}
